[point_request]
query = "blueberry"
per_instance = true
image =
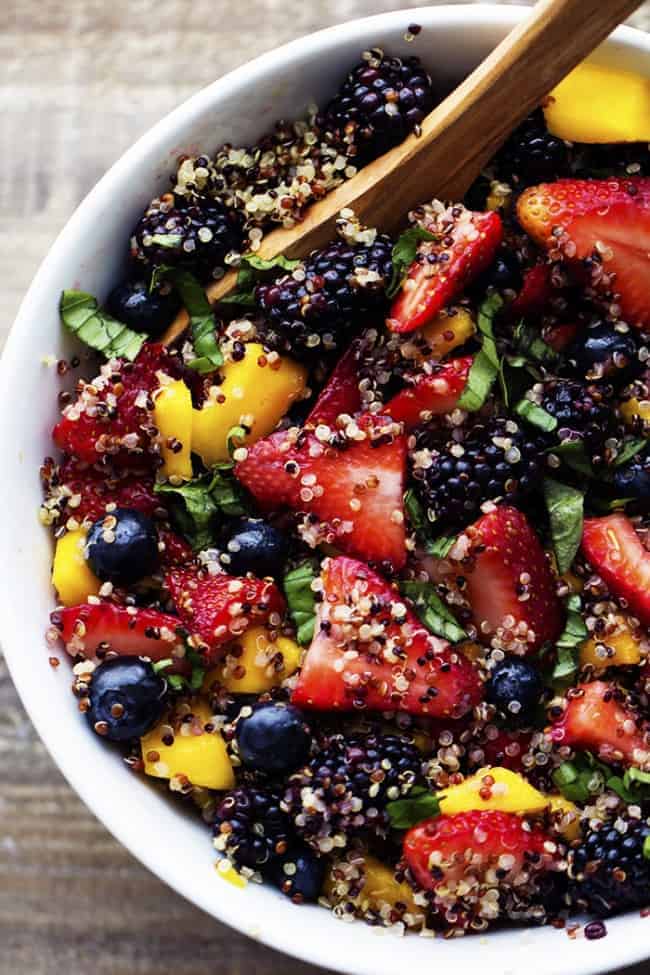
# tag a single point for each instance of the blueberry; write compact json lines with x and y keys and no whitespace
{"x":515,"y":688}
{"x":299,"y":874}
{"x":257,"y":547}
{"x":127,"y":698}
{"x":274,"y":738}
{"x":633,"y":480}
{"x":122,"y":546}
{"x":602,"y":352}
{"x":142,"y":310}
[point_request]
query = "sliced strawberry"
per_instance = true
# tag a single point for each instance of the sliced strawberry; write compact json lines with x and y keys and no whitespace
{"x":535,"y":292}
{"x":461,"y":858}
{"x":111,"y":416}
{"x":505,"y":749}
{"x":433,"y":393}
{"x":464,"y":246}
{"x":614,"y":550}
{"x":176,"y":551}
{"x":341,"y":391}
{"x":84,"y":491}
{"x":355,"y":490}
{"x":217,"y":609}
{"x":510,"y":586}
{"x":597,"y":718}
{"x":371,"y":652}
{"x":603,"y":221}
{"x":90,"y":627}
{"x":560,"y":336}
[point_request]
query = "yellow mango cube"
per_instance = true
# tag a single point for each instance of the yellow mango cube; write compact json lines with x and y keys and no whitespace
{"x":255,"y":663}
{"x":257,"y":390}
{"x":618,"y":649}
{"x":595,"y":103}
{"x":198,"y":755}
{"x":450,"y":328}
{"x":565,"y":816}
{"x":72,"y":577}
{"x":493,"y":788}
{"x":380,"y":887}
{"x":173,"y":418}
{"x":633,"y":410}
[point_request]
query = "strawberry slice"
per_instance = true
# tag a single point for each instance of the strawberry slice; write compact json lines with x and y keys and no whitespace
{"x":464,"y":857}
{"x":353,"y":485}
{"x":464,"y":246}
{"x":112,"y":416}
{"x":535,"y":292}
{"x":341,"y":392}
{"x":217,"y":609}
{"x":605,"y":222}
{"x":510,"y":587}
{"x":614,"y":549}
{"x":598,"y":718}
{"x":82,"y":492}
{"x":432,"y":393}
{"x":371,"y":652}
{"x":90,"y":627}
{"x":176,"y":551}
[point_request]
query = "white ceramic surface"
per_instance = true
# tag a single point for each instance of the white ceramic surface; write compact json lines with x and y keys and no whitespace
{"x":88,"y":254}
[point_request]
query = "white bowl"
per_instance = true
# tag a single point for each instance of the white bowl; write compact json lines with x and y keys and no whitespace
{"x":88,"y":253}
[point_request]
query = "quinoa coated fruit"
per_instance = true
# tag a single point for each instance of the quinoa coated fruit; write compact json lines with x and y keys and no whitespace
{"x":359,"y":567}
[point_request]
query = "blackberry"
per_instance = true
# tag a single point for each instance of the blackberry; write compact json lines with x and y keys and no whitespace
{"x":583,"y":412}
{"x":609,"y":872}
{"x":381,"y":101}
{"x":195,"y":236}
{"x":250,"y":828}
{"x":497,"y":460}
{"x":344,"y":790}
{"x":318,"y":305}
{"x":532,"y":155}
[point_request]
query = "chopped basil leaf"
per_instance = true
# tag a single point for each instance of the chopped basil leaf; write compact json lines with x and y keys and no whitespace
{"x":582,"y":778}
{"x":405,"y":251}
{"x":485,"y":368}
{"x":176,"y":682}
{"x":529,"y":345}
{"x":81,"y":315}
{"x":301,"y":600}
{"x":573,"y":454}
{"x":438,"y":547}
{"x":197,"y":506}
{"x":575,"y":633}
{"x":420,"y":804}
{"x":161,"y":665}
{"x":535,"y":415}
{"x":202,"y":325}
{"x":630,"y":450}
{"x":251,"y":269}
{"x":441,"y":547}
{"x":565,"y":506}
{"x":432,"y":611}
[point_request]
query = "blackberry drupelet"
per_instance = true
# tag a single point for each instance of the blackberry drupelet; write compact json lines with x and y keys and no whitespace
{"x":192,"y":236}
{"x":532,"y":155}
{"x":498,"y":459}
{"x":609,"y":872}
{"x":250,"y":828}
{"x":381,"y":101}
{"x":344,"y":790}
{"x":317,"y":307}
{"x":583,"y":411}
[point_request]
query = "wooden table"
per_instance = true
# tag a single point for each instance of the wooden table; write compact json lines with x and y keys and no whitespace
{"x":81,"y":79}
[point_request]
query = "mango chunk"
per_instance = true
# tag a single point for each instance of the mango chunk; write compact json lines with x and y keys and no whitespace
{"x":618,"y":649}
{"x":72,"y":577}
{"x":255,"y":663}
{"x":565,"y":816}
{"x":380,"y":886}
{"x":450,"y":328}
{"x":173,"y":418}
{"x":195,"y":755}
{"x":257,"y":391}
{"x":597,"y":104}
{"x":493,"y":788}
{"x":633,"y":410}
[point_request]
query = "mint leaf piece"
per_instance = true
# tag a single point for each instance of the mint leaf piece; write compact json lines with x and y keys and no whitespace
{"x":565,"y":506}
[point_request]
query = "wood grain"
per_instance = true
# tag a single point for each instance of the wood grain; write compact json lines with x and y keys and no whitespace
{"x":80,"y":80}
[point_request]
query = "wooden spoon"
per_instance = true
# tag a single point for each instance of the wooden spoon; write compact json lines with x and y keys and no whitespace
{"x":458,"y":137}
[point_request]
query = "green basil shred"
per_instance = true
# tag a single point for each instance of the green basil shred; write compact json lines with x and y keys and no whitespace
{"x":81,"y":315}
{"x":198,"y":506}
{"x":565,"y":506}
{"x":405,"y":251}
{"x":301,"y":600}
{"x":433,"y":612}
{"x":485,"y":368}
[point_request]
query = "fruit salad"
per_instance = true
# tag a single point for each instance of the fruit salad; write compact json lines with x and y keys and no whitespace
{"x":358,"y":567}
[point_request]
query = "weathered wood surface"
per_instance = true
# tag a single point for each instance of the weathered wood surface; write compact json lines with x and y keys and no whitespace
{"x":80,"y":80}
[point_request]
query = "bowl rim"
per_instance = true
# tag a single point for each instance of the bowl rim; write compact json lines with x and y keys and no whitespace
{"x":225,"y":910}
